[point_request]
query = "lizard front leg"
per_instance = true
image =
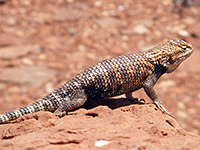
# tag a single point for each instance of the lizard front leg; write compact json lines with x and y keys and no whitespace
{"x":77,"y":100}
{"x":148,"y":88}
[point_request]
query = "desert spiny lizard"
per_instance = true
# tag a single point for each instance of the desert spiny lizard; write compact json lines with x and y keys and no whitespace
{"x":115,"y":76}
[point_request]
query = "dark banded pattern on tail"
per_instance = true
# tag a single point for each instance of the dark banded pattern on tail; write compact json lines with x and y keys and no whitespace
{"x":40,"y":105}
{"x":37,"y":106}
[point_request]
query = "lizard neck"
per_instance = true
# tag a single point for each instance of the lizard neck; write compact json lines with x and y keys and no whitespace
{"x":157,"y":60}
{"x":158,"y":67}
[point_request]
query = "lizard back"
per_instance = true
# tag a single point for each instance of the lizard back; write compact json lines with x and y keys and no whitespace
{"x":114,"y":76}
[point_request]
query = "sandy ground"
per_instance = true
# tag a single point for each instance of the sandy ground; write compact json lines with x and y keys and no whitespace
{"x":44,"y":43}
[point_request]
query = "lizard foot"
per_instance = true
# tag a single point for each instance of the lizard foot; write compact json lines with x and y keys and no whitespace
{"x":60,"y":113}
{"x":162,"y":108}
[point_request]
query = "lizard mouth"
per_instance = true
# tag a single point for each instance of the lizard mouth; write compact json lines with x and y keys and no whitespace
{"x":186,"y":50}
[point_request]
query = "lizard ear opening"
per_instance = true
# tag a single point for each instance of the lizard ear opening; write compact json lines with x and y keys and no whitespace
{"x":172,"y":64}
{"x":171,"y":60}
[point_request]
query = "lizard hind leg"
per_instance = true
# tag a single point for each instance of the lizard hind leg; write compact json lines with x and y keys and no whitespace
{"x":77,"y":100}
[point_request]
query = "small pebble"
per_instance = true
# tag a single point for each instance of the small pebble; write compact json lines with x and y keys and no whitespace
{"x":183,"y":33}
{"x":98,"y":4}
{"x":181,"y":105}
{"x":42,"y":56}
{"x":124,"y":37}
{"x":101,"y":143}
{"x":140,"y":29}
{"x":27,"y":61}
{"x":121,"y":8}
{"x":81,"y":48}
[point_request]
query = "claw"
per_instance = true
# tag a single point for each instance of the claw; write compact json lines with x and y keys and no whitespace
{"x":162,"y":108}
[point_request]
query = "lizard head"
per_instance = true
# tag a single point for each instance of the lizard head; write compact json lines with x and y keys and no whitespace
{"x":170,"y":54}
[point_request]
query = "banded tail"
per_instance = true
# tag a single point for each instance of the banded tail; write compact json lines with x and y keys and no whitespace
{"x":39,"y":105}
{"x":52,"y":102}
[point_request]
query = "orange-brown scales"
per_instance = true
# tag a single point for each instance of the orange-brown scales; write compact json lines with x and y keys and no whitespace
{"x":115,"y":76}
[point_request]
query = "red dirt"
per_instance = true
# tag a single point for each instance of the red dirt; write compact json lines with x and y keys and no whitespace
{"x":44,"y":43}
{"x":134,"y":126}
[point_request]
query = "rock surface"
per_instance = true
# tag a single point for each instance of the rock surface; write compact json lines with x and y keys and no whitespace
{"x":15,"y":51}
{"x":129,"y":127}
{"x":33,"y":76}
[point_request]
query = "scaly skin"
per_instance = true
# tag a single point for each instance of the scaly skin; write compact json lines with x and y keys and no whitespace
{"x":115,"y":76}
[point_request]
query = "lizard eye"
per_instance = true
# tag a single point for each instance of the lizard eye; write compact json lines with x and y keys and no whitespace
{"x":184,"y":47}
